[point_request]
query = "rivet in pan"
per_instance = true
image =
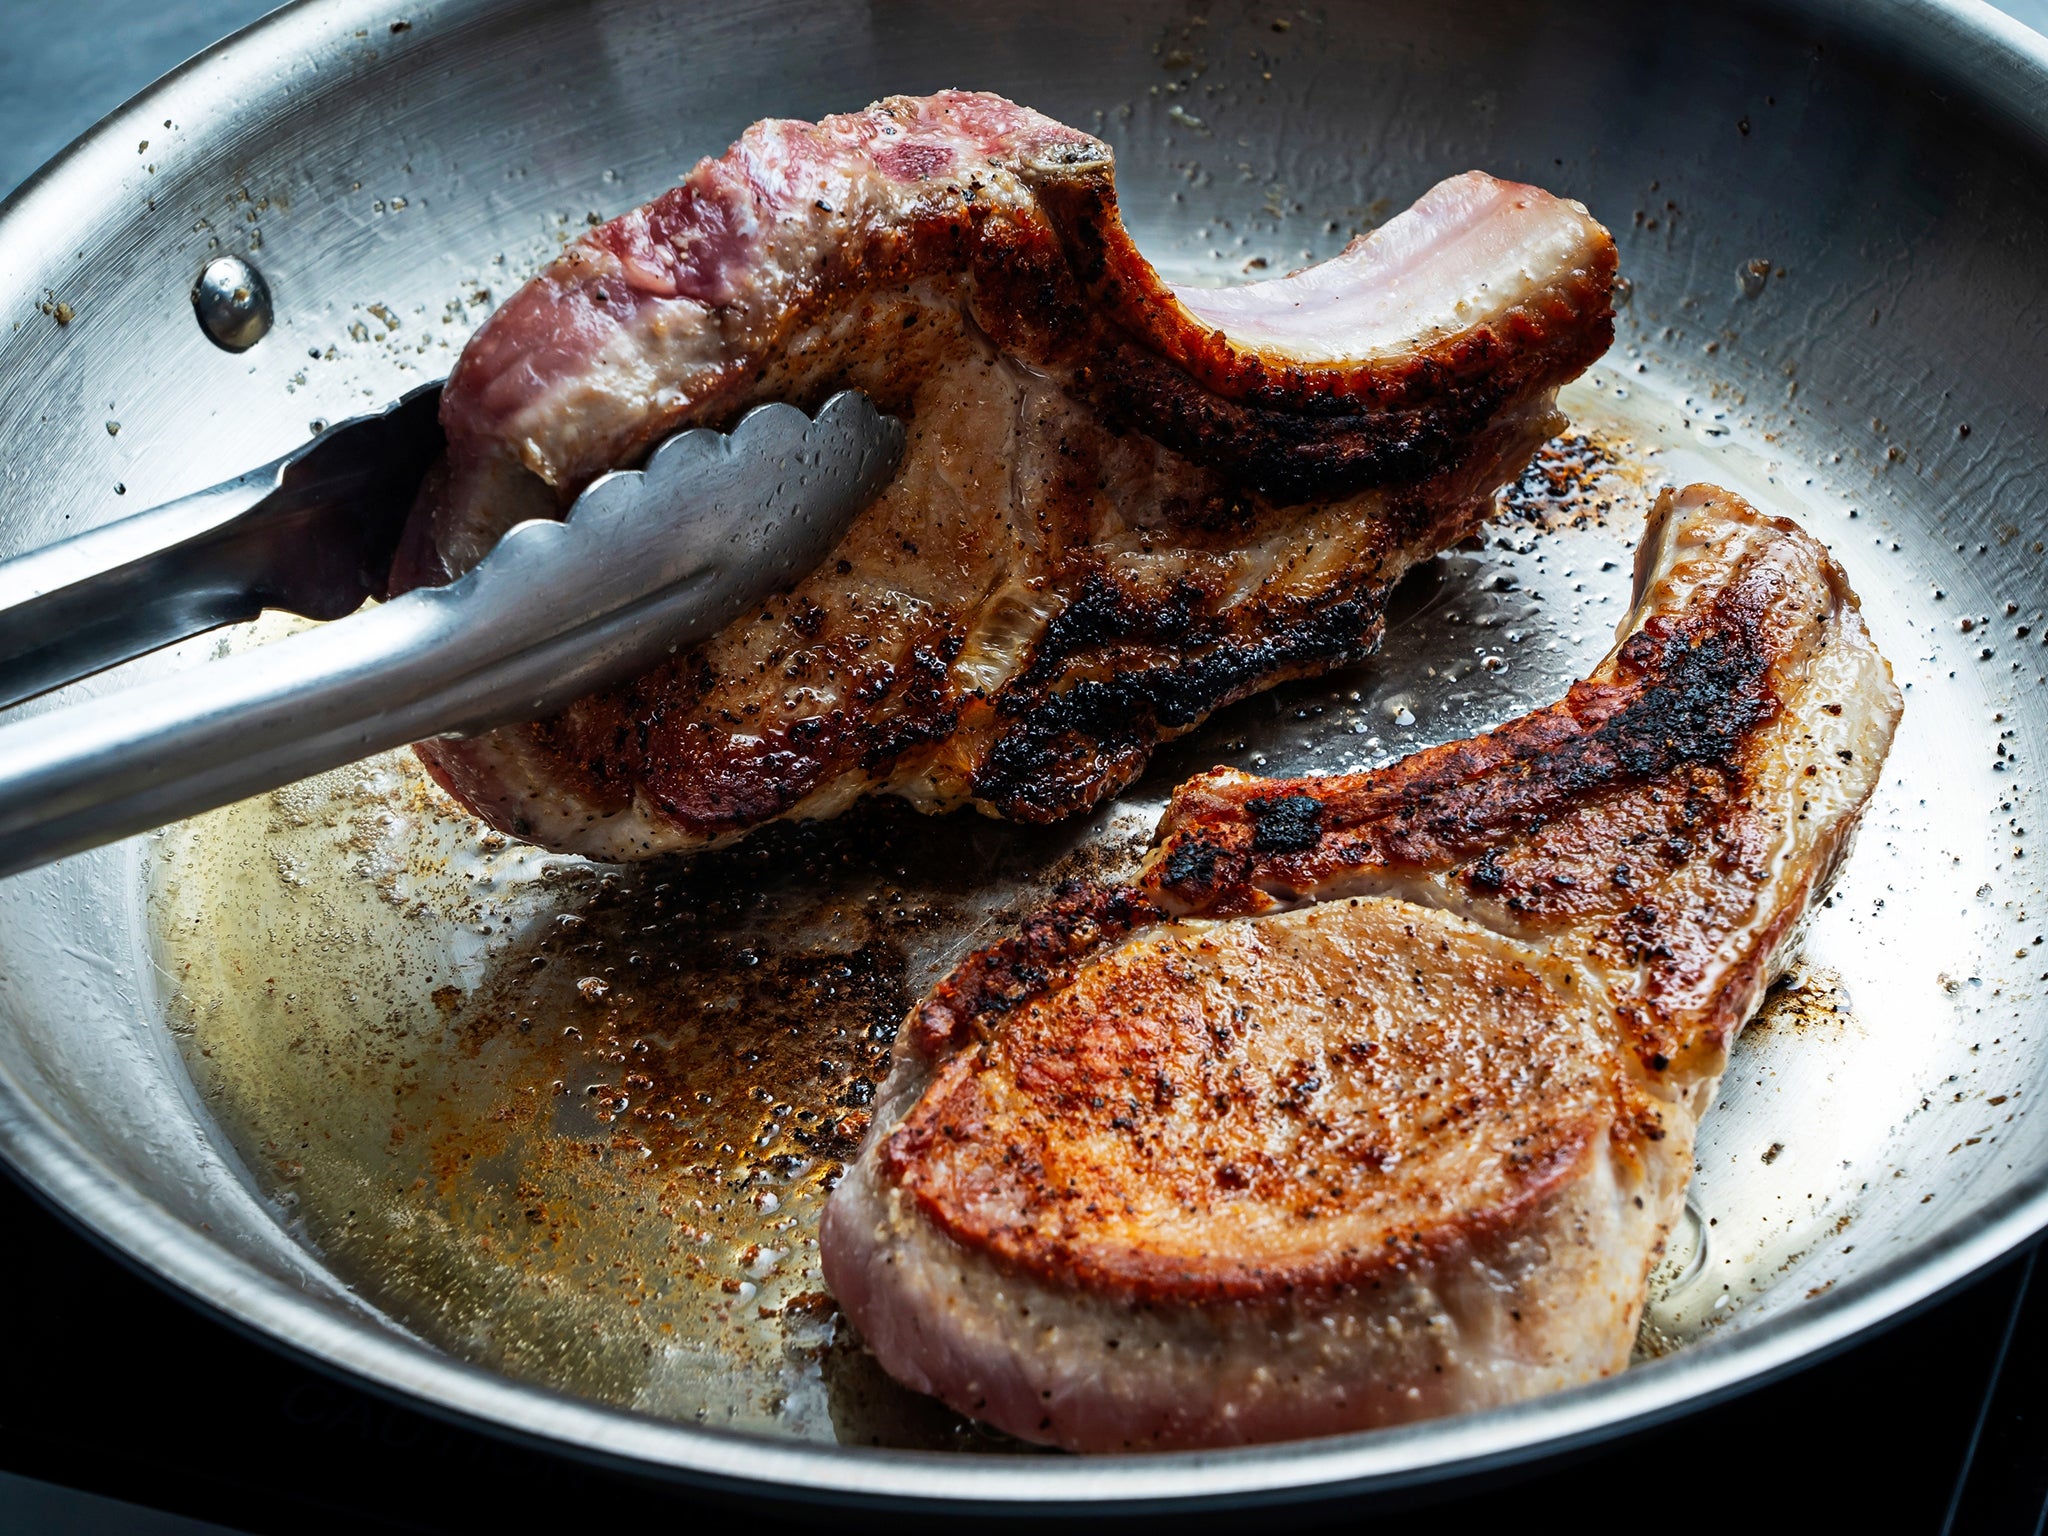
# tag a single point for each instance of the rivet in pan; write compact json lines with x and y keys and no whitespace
{"x":233,"y":303}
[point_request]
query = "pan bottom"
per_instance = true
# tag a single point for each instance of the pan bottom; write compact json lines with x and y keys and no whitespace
{"x":576,"y":1123}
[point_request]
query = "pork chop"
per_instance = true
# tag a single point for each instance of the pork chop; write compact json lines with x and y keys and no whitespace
{"x":1374,"y":1096}
{"x":1122,"y":506}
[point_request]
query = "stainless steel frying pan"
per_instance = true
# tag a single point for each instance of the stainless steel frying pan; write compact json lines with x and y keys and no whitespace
{"x":542,"y":1144}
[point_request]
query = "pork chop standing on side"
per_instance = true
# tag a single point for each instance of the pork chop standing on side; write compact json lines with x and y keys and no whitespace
{"x":1374,"y":1097}
{"x":1122,"y":505}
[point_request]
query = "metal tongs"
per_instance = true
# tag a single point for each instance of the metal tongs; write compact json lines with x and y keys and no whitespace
{"x":646,"y":561}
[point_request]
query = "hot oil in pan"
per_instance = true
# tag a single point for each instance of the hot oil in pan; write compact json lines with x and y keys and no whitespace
{"x":577,"y":1123}
{"x":574,"y":1122}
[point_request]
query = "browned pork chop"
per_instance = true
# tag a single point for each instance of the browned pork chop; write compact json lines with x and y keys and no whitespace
{"x":1122,"y":506}
{"x":1375,"y":1096}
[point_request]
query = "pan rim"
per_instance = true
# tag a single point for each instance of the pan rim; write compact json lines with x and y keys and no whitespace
{"x":2007,"y":72}
{"x":141,"y":1233}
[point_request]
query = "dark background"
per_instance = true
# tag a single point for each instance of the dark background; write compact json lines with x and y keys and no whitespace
{"x":122,"y":1409}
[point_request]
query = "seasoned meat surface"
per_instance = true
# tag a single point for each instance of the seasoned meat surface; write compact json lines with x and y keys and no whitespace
{"x":1374,"y":1096}
{"x":1122,"y":506}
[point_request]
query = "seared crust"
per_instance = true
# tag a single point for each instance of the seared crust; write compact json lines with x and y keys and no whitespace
{"x":1408,"y":1067}
{"x":1112,"y":519}
{"x":994,"y":980}
{"x":1296,"y":429}
{"x":1667,"y":803}
{"x":1237,"y":1112}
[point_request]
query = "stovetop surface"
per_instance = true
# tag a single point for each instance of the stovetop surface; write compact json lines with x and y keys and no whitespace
{"x":122,"y":1409}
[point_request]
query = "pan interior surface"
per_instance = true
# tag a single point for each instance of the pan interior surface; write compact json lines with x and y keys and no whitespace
{"x":545,"y":1140}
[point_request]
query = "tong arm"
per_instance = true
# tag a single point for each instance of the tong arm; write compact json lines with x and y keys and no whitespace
{"x":648,"y":561}
{"x":312,"y":533}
